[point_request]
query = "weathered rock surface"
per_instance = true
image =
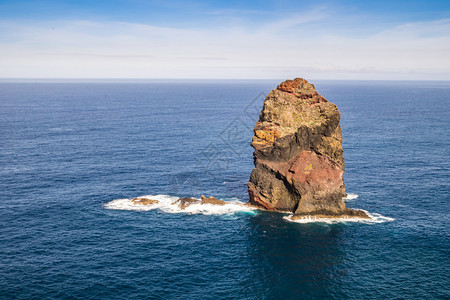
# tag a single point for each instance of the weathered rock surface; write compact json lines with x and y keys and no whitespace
{"x":185,"y":202}
{"x":298,"y":155}
{"x":212,"y":200}
{"x":144,"y":201}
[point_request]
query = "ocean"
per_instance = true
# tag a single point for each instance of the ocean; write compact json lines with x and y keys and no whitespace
{"x":72,"y":154}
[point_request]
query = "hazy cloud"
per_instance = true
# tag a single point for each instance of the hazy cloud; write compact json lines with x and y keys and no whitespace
{"x":122,"y":49}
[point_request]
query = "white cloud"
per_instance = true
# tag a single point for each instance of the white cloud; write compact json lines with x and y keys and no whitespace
{"x":292,"y":21}
{"x":119,"y":50}
{"x":436,"y":28}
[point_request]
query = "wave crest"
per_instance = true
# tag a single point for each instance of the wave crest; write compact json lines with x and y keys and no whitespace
{"x":351,"y":196}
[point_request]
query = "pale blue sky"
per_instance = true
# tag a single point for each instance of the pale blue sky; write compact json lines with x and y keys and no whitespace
{"x":225,"y":39}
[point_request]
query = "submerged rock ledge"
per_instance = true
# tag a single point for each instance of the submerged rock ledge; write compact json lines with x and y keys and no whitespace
{"x":299,"y":163}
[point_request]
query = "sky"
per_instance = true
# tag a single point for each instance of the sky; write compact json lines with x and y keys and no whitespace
{"x":196,"y":39}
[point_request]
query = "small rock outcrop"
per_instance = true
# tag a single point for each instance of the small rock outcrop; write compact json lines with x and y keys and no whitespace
{"x":185,"y":202}
{"x":298,"y":155}
{"x":213,"y":201}
{"x":144,"y":201}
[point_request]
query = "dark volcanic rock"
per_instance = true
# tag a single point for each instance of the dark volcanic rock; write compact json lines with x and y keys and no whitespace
{"x":298,"y":156}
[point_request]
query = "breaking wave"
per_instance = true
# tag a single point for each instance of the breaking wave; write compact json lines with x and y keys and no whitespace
{"x":374,"y":218}
{"x":351,"y":196}
{"x":165,"y":205}
{"x":233,"y":206}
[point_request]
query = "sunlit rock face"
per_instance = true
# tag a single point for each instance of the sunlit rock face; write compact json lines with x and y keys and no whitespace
{"x":298,"y":155}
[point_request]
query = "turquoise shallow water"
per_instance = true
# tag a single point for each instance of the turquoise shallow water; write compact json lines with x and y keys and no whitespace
{"x":69,"y":149}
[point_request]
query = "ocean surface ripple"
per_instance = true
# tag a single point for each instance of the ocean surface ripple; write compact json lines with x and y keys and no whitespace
{"x":73,"y":154}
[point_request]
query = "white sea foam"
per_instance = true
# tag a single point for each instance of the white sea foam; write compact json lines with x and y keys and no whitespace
{"x":374,"y":218}
{"x":165,"y":205}
{"x":233,"y":206}
{"x":351,"y":196}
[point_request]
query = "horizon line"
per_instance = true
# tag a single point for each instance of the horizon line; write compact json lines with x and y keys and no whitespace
{"x":197,"y":79}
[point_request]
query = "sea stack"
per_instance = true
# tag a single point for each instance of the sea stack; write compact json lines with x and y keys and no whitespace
{"x":299,"y":163}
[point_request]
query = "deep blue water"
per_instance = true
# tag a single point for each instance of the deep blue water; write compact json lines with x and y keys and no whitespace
{"x":67,"y":149}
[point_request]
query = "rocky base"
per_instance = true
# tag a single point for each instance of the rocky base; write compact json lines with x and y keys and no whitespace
{"x":346,"y":214}
{"x":183,"y":203}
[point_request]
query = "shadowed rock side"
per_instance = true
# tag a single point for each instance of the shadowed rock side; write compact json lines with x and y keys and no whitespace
{"x":298,"y":155}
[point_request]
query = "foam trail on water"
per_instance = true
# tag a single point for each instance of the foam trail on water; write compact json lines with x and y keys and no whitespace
{"x":374,"y":218}
{"x":165,"y":205}
{"x":232,"y":207}
{"x":351,"y":196}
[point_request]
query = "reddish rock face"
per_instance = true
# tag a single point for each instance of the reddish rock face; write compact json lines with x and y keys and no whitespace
{"x":298,"y":156}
